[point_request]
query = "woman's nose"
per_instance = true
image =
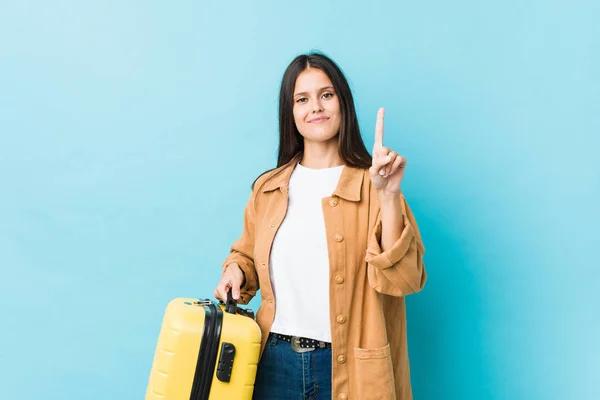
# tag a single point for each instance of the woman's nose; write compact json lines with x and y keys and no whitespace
{"x":317,"y":107}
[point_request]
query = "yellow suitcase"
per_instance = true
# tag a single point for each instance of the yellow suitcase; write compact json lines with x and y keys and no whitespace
{"x":205,"y":351}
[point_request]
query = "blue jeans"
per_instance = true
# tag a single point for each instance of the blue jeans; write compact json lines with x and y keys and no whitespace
{"x":284,"y":374}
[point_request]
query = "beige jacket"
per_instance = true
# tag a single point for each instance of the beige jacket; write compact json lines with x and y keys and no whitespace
{"x":367,"y":286}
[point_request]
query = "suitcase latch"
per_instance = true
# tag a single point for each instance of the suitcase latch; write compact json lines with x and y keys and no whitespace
{"x":225,"y":362}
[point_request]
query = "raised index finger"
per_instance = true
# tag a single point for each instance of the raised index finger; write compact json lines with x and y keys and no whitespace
{"x":379,"y":128}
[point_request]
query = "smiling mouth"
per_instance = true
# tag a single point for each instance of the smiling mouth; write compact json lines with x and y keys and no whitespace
{"x":317,"y":120}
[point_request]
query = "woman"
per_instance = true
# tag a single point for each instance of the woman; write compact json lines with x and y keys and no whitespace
{"x":331,"y":242}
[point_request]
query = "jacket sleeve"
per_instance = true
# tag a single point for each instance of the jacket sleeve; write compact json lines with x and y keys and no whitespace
{"x":398,"y":271}
{"x":242,"y":253}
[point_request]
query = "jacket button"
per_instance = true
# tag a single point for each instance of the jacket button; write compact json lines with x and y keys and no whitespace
{"x":339,"y":279}
{"x":333,"y":202}
{"x":341,"y":359}
{"x":338,"y":237}
{"x":341,"y":319}
{"x":343,"y":396}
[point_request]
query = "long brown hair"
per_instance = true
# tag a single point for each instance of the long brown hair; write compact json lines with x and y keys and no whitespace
{"x":352,"y":149}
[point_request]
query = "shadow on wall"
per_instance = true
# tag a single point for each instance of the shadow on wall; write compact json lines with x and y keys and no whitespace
{"x":444,"y":320}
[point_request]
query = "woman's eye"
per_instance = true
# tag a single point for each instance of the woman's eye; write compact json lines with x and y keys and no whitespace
{"x":304,"y":99}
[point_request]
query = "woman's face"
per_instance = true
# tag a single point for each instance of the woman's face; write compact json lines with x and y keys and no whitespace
{"x":316,"y":106}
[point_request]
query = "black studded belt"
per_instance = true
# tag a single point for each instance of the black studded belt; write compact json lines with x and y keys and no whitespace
{"x":302,"y":344}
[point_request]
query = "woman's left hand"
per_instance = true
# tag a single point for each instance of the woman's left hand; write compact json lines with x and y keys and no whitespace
{"x":388,"y":166}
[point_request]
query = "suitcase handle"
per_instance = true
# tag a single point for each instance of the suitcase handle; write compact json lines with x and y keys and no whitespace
{"x":231,"y":305}
{"x":232,"y":308}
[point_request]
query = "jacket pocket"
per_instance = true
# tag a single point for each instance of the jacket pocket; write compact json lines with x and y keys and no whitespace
{"x":374,"y":373}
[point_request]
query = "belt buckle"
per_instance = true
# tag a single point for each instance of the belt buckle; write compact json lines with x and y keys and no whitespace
{"x":296,"y":345}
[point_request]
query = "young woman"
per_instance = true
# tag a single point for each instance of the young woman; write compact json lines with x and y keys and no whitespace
{"x":331,"y":242}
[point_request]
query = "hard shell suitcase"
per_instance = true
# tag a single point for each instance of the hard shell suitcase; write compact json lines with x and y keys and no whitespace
{"x":205,"y":351}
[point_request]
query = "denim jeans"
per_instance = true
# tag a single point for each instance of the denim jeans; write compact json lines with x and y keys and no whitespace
{"x":284,"y":374}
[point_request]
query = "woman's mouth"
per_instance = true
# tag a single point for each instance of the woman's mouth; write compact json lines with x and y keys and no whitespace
{"x":318,"y":120}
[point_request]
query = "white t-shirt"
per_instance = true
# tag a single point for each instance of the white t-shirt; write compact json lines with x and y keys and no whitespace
{"x":299,"y":262}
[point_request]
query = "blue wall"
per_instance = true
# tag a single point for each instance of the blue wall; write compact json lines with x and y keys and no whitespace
{"x":130,"y":133}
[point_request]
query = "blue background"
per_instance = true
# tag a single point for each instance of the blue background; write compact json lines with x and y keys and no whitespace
{"x":130,"y":133}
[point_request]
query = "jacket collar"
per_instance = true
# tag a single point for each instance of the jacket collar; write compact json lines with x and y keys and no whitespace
{"x":349,"y":186}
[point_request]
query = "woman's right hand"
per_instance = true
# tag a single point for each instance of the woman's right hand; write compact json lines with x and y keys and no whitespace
{"x":232,"y":279}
